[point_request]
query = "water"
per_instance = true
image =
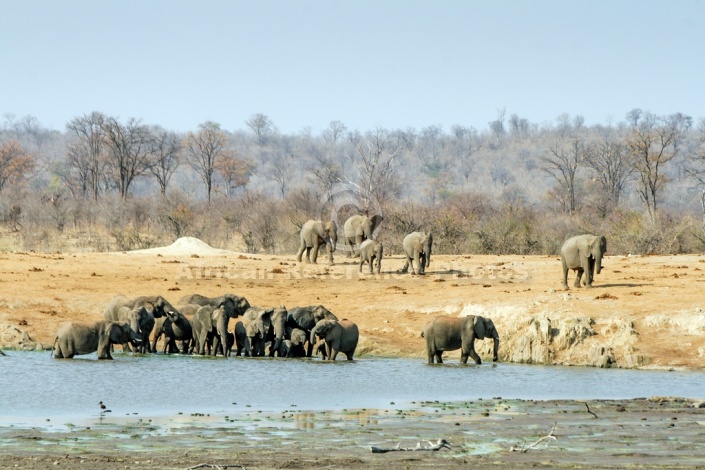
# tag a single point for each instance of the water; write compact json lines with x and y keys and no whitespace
{"x":34,"y":387}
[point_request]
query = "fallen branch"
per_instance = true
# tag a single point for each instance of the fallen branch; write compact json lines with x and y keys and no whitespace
{"x":440,"y":444}
{"x":212,"y":465}
{"x":525,"y":449}
{"x":588,"y":410}
{"x":2,"y":353}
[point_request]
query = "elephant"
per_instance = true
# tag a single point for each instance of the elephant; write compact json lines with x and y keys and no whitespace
{"x":295,"y":343}
{"x":583,"y":253}
{"x":242,"y":345}
{"x":155,"y":305}
{"x":75,"y":338}
{"x":417,"y":248}
{"x":258,"y":328}
{"x":218,"y":347}
{"x":339,"y":336}
{"x":371,"y":251}
{"x":446,"y":333}
{"x":315,"y":233}
{"x":234,"y":305}
{"x":306,"y":318}
{"x":359,"y":228}
{"x":277,"y":331}
{"x":175,"y":327}
{"x":139,"y":319}
{"x":210,"y":327}
{"x":255,"y":338}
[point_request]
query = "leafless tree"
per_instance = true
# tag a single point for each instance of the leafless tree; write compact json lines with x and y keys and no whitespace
{"x":88,"y":130}
{"x":334,"y":132}
{"x":164,"y":157}
{"x":261,"y":125}
{"x":128,"y":148}
{"x":562,"y":160}
{"x":611,"y":161}
{"x":203,"y":150}
{"x":376,"y":161}
{"x":653,"y":143}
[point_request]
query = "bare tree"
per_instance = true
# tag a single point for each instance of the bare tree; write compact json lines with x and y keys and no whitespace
{"x":653,"y":143}
{"x":611,"y":161}
{"x":203,"y":150}
{"x":376,"y":160}
{"x":334,"y":132}
{"x":164,"y":157}
{"x":128,"y":148}
{"x":15,"y":163}
{"x":88,"y":129}
{"x":562,"y":161}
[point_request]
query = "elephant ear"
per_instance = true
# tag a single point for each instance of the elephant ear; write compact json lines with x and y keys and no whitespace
{"x":303,"y":317}
{"x":376,"y":220}
{"x":205,"y":315}
{"x":480,"y":328}
{"x":241,"y":305}
{"x":331,"y":227}
{"x":323,"y":327}
{"x":322,"y":313}
{"x":266,"y":318}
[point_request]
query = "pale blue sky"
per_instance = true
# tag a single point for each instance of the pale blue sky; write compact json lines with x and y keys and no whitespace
{"x":366,"y":63}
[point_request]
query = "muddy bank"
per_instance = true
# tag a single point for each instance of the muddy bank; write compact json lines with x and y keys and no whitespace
{"x":655,"y":432}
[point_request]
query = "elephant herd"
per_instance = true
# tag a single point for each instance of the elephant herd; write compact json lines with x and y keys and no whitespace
{"x":358,"y":240}
{"x":200,"y":325}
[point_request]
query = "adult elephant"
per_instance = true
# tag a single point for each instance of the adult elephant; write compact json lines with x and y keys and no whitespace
{"x":417,"y":248}
{"x":76,"y":338}
{"x":339,"y":336}
{"x":446,"y":333}
{"x":210,"y":328}
{"x":258,"y":323}
{"x":306,"y":318}
{"x":140,"y":320}
{"x":314,"y":234}
{"x":155,"y":305}
{"x":359,"y":228}
{"x":583,"y":254}
{"x":371,"y":252}
{"x":276,"y":333}
{"x":175,"y":327}
{"x":234,"y":305}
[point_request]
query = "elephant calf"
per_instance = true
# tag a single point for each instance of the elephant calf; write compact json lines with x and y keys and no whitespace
{"x":76,"y":338}
{"x":371,"y":251}
{"x":339,"y":336}
{"x":445,"y":333}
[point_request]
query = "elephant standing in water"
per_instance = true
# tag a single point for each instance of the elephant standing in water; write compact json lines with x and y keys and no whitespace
{"x":75,"y":338}
{"x":306,"y":318}
{"x":210,"y":328}
{"x":156,"y":307}
{"x":417,"y":248}
{"x":583,"y":253}
{"x":445,"y":333}
{"x":314,"y":234}
{"x":176,"y":327}
{"x":359,"y":228}
{"x":339,"y":336}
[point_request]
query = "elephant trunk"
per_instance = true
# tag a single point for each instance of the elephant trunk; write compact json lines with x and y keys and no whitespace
{"x":312,"y":339}
{"x":276,"y":345}
{"x":598,"y":263}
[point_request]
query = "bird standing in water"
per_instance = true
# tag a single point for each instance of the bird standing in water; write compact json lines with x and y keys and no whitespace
{"x":103,"y":408}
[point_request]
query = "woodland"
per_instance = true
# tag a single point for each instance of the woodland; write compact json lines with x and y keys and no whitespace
{"x":515,"y":187}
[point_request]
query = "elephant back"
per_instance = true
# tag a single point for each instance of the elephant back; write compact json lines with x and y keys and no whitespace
{"x":110,"y":312}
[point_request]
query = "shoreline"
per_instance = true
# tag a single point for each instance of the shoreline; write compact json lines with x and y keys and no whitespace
{"x":656,"y":432}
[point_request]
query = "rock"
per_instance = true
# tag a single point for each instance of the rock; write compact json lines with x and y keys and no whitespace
{"x":12,"y":337}
{"x":601,"y":356}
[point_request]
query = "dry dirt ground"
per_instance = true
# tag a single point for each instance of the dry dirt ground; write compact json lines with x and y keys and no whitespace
{"x":644,"y":311}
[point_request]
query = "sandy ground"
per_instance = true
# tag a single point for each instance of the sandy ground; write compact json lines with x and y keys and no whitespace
{"x":658,"y":297}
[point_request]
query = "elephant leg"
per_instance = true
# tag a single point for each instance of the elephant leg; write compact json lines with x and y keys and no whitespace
{"x":439,"y":357}
{"x":405,"y":268}
{"x":301,"y":251}
{"x":473,"y":354}
{"x":314,"y":253}
{"x":422,"y":263}
{"x":362,"y":262}
{"x":578,"y":277}
{"x":590,"y":273}
{"x":330,"y":254}
{"x":565,"y":273}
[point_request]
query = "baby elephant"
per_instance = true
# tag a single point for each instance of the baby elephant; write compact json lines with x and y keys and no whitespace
{"x":371,"y":251}
{"x":339,"y":336}
{"x":84,"y":338}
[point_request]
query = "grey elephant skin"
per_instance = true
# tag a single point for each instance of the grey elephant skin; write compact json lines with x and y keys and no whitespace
{"x":315,"y":234}
{"x":210,"y":328}
{"x":417,"y":248}
{"x":276,"y":333}
{"x":583,"y":254}
{"x":155,"y":305}
{"x":295,"y":343}
{"x":234,"y":305}
{"x":446,"y":333}
{"x":77,"y":338}
{"x":175,"y":327}
{"x":339,"y":337}
{"x":140,"y":320}
{"x":371,"y":252}
{"x":258,"y":325}
{"x":359,"y":228}
{"x":305,"y":318}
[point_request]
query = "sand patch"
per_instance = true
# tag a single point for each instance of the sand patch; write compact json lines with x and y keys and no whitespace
{"x":184,"y":246}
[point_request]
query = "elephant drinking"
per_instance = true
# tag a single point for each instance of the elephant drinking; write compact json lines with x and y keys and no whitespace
{"x":76,"y":338}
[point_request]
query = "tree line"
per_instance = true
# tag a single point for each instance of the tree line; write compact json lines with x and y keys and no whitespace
{"x":106,"y":183}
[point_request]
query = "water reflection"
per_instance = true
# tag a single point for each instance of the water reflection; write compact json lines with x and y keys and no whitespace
{"x":36,"y":387}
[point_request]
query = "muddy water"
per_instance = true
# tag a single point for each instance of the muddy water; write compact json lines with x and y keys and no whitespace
{"x":35,"y":388}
